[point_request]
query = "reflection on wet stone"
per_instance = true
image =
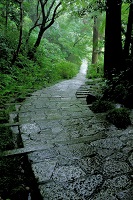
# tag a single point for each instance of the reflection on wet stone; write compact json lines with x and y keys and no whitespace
{"x":29,"y":128}
{"x":44,"y":170}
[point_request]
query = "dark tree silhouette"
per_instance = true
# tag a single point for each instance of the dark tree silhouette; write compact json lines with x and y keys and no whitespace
{"x":113,"y":45}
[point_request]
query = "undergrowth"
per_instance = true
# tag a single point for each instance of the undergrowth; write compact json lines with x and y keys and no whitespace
{"x":100,"y":106}
{"x":31,"y":76}
{"x":119,"y":117}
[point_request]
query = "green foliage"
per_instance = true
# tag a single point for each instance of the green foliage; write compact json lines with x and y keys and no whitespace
{"x":67,"y":70}
{"x":72,"y":39}
{"x":100,"y":106}
{"x":119,"y":117}
{"x":120,"y":88}
{"x":48,"y":53}
{"x":6,"y":141}
{"x":95,"y":71}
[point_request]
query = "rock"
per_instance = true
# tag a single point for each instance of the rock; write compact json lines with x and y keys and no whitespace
{"x":112,"y":168}
{"x":131,"y":159}
{"x":85,"y":187}
{"x":105,"y":195}
{"x":56,"y":191}
{"x":126,"y":194}
{"x":117,"y":183}
{"x":67,"y":173}
{"x":108,"y":143}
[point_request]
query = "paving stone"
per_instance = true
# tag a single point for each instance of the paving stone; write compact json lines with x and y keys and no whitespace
{"x":112,"y":168}
{"x":56,"y":191}
{"x":117,"y":183}
{"x":43,"y":170}
{"x":76,"y":150}
{"x":61,"y":136}
{"x":40,"y":156}
{"x":104,"y":152}
{"x":131,"y":159}
{"x":110,"y":143}
{"x":119,"y":156}
{"x":90,"y":165}
{"x":126,"y":194}
{"x":67,"y":173}
{"x":31,"y":143}
{"x":85,"y":187}
{"x":29,"y":128}
{"x":45,"y":124}
{"x":103,"y":195}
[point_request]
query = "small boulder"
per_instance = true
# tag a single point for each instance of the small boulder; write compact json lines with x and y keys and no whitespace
{"x":90,"y":98}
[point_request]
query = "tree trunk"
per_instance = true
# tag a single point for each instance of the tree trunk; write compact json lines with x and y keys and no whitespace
{"x":128,"y":39}
{"x":20,"y":34}
{"x":47,"y":21}
{"x":37,"y":43}
{"x":113,"y":44}
{"x":95,"y":41}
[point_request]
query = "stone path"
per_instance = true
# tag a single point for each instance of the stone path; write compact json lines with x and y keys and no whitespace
{"x":75,"y":154}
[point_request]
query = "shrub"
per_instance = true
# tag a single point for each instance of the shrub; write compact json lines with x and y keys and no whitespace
{"x":100,"y":106}
{"x":95,"y":71}
{"x":119,"y":117}
{"x":67,"y":69}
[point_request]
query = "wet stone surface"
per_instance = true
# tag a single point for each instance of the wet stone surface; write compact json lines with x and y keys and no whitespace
{"x":74,"y":153}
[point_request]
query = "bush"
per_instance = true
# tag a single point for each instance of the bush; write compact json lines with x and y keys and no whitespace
{"x":67,"y":69}
{"x":95,"y":71}
{"x":119,"y":117}
{"x":100,"y":106}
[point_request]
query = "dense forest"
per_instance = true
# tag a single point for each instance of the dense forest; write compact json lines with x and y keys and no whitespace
{"x":44,"y":41}
{"x":41,"y":43}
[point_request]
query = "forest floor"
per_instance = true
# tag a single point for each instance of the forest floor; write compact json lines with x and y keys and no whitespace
{"x":74,"y":153}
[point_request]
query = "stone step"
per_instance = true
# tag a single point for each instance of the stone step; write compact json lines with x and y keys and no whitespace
{"x":81,"y":96}
{"x":82,"y":91}
{"x":75,"y":115}
{"x":42,"y":146}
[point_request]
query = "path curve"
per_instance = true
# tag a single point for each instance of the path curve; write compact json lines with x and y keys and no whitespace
{"x":72,"y":153}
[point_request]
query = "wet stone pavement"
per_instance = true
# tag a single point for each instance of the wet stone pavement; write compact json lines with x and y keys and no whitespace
{"x":77,"y":155}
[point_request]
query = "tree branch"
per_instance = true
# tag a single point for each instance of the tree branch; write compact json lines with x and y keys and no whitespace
{"x":51,"y":6}
{"x":53,"y":17}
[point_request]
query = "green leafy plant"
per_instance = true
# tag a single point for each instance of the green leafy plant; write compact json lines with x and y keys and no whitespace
{"x":119,"y":117}
{"x":67,"y":69}
{"x":95,"y":71}
{"x":100,"y":106}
